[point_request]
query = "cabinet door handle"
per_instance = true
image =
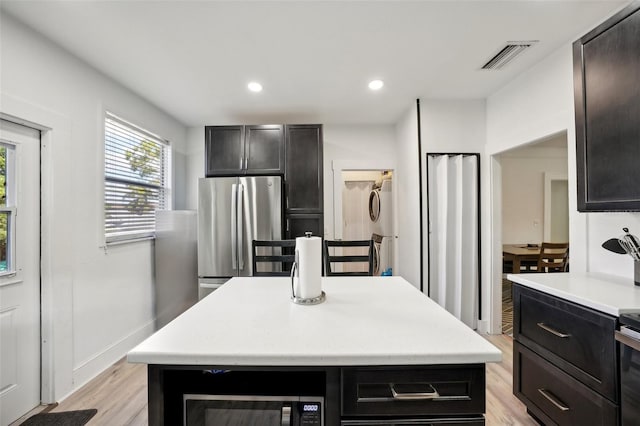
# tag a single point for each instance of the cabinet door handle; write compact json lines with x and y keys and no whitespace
{"x":552,"y":331}
{"x":241,"y":162}
{"x":414,"y":395}
{"x":246,"y":163}
{"x":552,"y":399}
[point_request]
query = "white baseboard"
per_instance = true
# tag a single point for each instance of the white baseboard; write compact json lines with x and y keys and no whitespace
{"x":90,"y":368}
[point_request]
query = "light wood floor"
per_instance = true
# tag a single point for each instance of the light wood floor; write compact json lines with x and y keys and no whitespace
{"x":120,"y":393}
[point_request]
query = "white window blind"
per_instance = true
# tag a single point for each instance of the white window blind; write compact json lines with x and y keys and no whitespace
{"x":135,"y":180}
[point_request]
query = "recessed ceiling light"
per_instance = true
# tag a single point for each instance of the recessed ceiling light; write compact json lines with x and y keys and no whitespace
{"x":376,"y":84}
{"x":255,"y":86}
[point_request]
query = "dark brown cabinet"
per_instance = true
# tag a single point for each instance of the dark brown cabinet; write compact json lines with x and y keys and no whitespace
{"x":607,"y":105}
{"x":355,"y":396}
{"x":303,"y":172}
{"x":558,"y":397}
{"x":564,"y":360}
{"x":304,"y":180}
{"x":244,"y":150}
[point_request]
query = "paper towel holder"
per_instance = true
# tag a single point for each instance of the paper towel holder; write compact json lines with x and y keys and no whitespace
{"x":300,"y":300}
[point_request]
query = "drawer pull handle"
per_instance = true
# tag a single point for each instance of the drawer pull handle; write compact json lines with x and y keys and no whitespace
{"x":552,"y":399}
{"x":552,"y":331}
{"x":414,"y":395}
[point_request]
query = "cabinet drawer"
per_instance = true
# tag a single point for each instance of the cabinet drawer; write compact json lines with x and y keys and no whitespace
{"x":554,"y":396}
{"x":411,"y":391}
{"x":577,"y":339}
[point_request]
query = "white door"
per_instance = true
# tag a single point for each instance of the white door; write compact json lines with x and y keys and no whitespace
{"x":19,"y":270}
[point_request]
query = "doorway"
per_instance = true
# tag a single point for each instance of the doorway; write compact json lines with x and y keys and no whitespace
{"x":19,"y":270}
{"x":534,"y":192}
{"x":364,"y":207}
{"x":367,"y":213}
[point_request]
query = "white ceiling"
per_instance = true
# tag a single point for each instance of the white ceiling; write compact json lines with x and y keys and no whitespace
{"x":194,"y":59}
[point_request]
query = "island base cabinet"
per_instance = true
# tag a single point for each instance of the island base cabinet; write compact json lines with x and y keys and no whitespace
{"x":553,"y":396}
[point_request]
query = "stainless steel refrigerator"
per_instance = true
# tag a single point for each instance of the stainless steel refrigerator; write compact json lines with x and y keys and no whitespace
{"x":233,"y":211}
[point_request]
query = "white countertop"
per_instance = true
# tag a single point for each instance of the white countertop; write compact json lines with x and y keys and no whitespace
{"x":364,"y":321}
{"x":611,"y":295}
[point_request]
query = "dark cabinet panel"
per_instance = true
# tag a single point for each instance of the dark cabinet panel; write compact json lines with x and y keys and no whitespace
{"x":303,"y":171}
{"x":298,"y":224}
{"x":607,"y":101}
{"x":565,"y":366}
{"x":554,"y":396}
{"x":224,"y":150}
{"x":244,"y":150}
{"x":576,"y":338}
{"x":264,"y":149}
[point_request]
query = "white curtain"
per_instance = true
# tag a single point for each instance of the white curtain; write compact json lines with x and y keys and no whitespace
{"x":453,"y":234}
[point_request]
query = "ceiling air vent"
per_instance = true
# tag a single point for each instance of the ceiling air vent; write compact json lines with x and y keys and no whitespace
{"x":507,"y":54}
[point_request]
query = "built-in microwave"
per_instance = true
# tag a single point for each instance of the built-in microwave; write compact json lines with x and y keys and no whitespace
{"x":250,"y":410}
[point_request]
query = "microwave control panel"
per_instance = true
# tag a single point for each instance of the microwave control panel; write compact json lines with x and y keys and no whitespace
{"x":310,"y":413}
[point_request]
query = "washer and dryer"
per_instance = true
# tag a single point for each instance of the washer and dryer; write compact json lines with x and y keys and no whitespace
{"x":381,"y":209}
{"x":381,"y":215}
{"x":382,"y":254}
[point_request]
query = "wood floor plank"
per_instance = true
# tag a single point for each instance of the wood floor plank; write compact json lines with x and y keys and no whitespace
{"x":120,"y":393}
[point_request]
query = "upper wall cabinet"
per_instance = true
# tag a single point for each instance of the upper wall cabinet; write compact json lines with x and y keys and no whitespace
{"x":244,"y":150}
{"x":607,"y":105}
{"x":303,"y":174}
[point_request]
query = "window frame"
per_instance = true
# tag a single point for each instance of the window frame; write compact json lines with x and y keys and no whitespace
{"x":121,"y":236}
{"x":10,"y":207}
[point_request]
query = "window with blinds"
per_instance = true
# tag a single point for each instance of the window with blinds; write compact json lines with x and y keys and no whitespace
{"x":135,"y":180}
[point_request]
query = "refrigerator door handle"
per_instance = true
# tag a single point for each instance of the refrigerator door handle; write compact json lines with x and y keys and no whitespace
{"x":240,"y":236}
{"x":234,"y":225}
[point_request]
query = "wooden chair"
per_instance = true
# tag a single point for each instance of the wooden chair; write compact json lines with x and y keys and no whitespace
{"x":367,"y":258}
{"x":554,"y":257}
{"x":273,"y":258}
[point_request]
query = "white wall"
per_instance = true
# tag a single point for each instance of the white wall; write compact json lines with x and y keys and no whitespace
{"x":407,"y":192}
{"x":99,"y":301}
{"x":539,"y":103}
{"x":523,"y":174}
{"x":452,"y":126}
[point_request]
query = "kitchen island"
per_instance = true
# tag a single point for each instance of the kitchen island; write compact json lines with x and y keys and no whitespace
{"x":370,"y":334}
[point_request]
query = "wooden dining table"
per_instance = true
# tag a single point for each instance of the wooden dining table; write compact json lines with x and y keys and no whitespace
{"x":516,"y":253}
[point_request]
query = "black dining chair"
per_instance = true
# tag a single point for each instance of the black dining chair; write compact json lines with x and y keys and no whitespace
{"x":348,"y":258}
{"x":273,"y":258}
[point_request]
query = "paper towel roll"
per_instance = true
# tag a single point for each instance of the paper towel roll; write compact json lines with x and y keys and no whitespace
{"x":308,"y":283}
